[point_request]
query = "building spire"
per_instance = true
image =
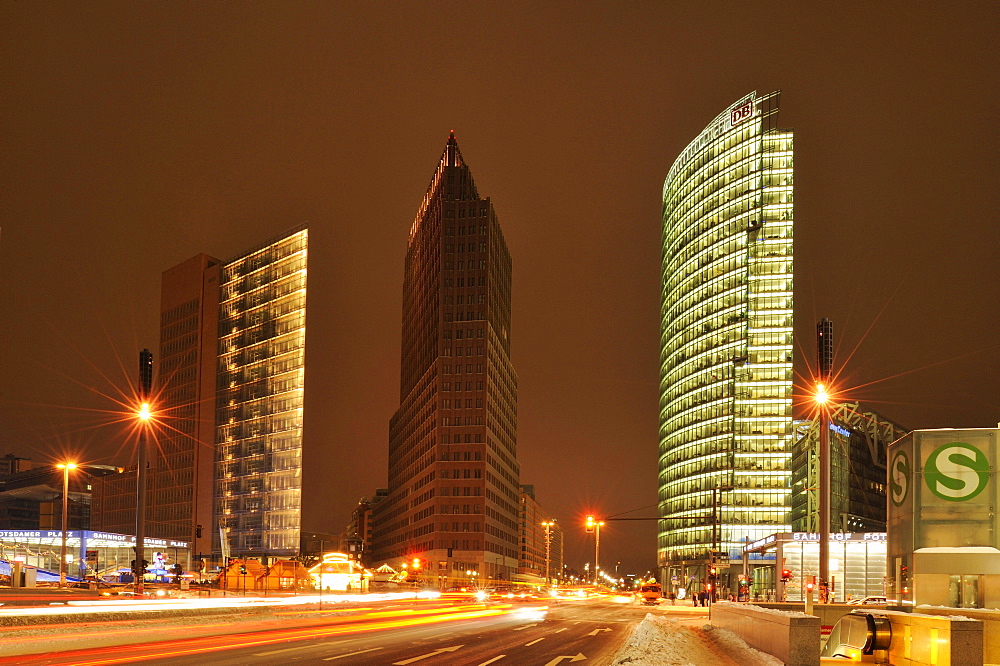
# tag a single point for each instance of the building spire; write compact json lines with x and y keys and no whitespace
{"x":452,"y":155}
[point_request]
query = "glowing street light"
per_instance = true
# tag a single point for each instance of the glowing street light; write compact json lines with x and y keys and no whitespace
{"x":65,"y":467}
{"x":824,"y":352}
{"x":594,"y":525}
{"x":144,"y":415}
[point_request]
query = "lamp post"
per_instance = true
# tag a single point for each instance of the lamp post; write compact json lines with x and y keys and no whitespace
{"x":548,"y":525}
{"x":597,"y":548}
{"x":65,"y":467}
{"x":824,"y":349}
{"x":144,"y":415}
{"x":824,"y":491}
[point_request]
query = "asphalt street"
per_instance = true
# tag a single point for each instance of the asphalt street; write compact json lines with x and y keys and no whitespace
{"x":527,"y":634}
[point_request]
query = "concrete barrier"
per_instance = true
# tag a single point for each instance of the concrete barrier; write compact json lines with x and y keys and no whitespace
{"x":790,"y":636}
{"x":991,"y":627}
{"x":828,"y":614}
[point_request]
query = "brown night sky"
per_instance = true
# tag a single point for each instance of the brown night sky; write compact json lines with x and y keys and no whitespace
{"x":136,"y":135}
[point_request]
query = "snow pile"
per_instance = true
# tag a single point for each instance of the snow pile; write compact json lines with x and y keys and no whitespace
{"x":661,"y":641}
{"x":769,"y":611}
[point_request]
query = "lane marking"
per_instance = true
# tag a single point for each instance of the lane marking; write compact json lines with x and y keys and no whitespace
{"x":579,"y":657}
{"x":264,"y":654}
{"x":539,"y":640}
{"x":351,"y":654}
{"x":492,"y":660}
{"x":527,"y":626}
{"x":595,"y":631}
{"x":424,"y":656}
{"x":558,"y":630}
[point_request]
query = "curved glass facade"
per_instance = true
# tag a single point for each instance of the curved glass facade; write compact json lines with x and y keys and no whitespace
{"x":726,"y":338}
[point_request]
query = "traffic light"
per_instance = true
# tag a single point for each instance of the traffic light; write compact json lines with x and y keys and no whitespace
{"x":416,"y":562}
{"x":590,"y":524}
{"x":197,"y":531}
{"x":243,"y":570}
{"x":712,"y":572}
{"x":786,"y":575}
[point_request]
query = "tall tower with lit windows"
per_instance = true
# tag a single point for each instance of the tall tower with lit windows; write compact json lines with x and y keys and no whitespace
{"x":228,"y":444}
{"x":726,"y":341}
{"x":453,"y":478}
{"x":261,"y":379}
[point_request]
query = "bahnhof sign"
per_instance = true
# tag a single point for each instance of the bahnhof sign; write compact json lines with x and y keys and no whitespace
{"x":88,"y":553}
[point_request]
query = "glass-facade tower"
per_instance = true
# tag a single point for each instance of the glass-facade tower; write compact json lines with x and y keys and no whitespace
{"x":726,"y":339}
{"x":261,"y":373}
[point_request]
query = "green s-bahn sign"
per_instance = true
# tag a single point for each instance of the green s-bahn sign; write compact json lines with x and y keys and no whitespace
{"x":957,"y":472}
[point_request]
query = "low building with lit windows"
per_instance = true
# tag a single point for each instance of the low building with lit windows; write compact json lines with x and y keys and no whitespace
{"x":783,"y":566}
{"x":90,"y":553}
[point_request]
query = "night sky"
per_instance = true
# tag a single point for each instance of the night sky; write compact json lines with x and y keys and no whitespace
{"x":136,"y":135}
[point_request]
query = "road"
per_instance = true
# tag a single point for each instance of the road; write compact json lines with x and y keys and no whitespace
{"x":423,"y":634}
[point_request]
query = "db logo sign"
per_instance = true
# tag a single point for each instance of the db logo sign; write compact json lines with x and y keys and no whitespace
{"x":957,"y":472}
{"x":741,"y":113}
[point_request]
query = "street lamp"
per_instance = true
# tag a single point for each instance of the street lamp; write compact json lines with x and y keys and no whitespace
{"x":824,"y":351}
{"x":594,"y":525}
{"x":822,"y":399}
{"x":65,"y":467}
{"x":144,"y":414}
{"x":548,"y":525}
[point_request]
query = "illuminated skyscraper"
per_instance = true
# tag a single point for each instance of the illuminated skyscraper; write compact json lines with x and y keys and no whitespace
{"x":228,"y":452}
{"x":726,"y":339}
{"x":453,"y":474}
{"x":261,"y":375}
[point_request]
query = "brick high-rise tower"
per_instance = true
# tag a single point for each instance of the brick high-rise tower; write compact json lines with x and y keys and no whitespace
{"x":453,"y":472}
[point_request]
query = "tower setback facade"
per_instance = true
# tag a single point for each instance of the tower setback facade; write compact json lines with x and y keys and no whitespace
{"x":227,"y":459}
{"x":726,"y":339}
{"x":453,"y":474}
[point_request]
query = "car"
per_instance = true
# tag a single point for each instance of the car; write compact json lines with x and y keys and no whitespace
{"x":868,"y":601}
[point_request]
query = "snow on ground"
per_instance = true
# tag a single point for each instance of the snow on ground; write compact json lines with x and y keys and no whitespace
{"x":662,"y":641}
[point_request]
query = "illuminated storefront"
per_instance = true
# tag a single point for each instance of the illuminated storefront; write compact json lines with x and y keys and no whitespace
{"x":340,"y":573}
{"x":857,"y":565}
{"x":726,"y":338}
{"x":89,"y":553}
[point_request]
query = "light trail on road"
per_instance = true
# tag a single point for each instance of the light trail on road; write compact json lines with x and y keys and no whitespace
{"x":315,"y":626}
